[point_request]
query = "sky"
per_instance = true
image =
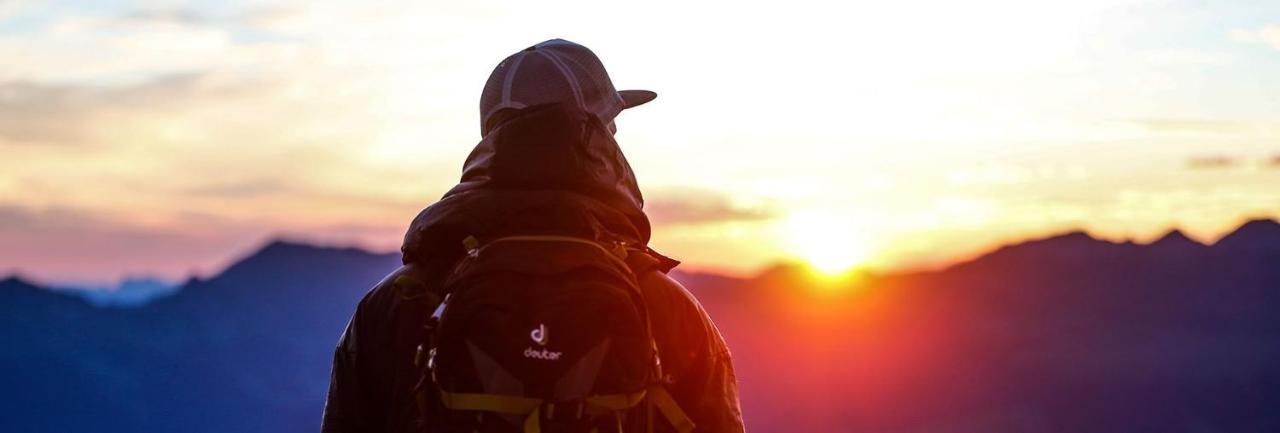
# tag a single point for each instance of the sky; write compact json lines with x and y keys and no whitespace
{"x":167,"y":138}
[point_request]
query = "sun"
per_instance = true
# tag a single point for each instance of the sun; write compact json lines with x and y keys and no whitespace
{"x":828,"y":243}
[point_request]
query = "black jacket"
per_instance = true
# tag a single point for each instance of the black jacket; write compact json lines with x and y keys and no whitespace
{"x":551,"y":170}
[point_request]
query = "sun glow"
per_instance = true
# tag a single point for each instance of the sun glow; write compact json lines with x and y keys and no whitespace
{"x":828,"y":243}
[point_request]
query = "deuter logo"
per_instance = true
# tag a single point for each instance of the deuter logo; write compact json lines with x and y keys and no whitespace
{"x":539,"y":335}
{"x":543,"y":354}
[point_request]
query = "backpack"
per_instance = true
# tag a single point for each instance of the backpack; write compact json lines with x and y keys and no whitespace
{"x":543,"y":333}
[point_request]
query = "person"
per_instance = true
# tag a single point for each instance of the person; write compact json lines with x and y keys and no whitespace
{"x":547,"y":163}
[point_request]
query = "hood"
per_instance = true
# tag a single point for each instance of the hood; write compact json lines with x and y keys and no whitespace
{"x":554,"y":169}
{"x":553,"y":147}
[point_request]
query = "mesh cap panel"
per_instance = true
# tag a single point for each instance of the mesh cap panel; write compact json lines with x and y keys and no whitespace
{"x":554,"y":71}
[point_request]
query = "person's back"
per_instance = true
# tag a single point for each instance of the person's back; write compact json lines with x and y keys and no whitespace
{"x":548,"y":165}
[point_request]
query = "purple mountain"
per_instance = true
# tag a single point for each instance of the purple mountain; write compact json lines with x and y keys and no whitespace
{"x":1067,"y":333}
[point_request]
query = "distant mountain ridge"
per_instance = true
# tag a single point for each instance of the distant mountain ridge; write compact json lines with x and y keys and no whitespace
{"x":246,"y":350}
{"x":1065,"y":333}
{"x":129,"y":292}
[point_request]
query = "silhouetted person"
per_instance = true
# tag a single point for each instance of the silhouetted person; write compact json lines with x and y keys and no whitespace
{"x":541,"y":256}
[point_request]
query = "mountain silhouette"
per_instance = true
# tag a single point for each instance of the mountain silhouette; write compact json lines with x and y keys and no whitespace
{"x":1259,"y":236}
{"x":244,"y":351}
{"x":1065,"y":333}
{"x":130,"y":292}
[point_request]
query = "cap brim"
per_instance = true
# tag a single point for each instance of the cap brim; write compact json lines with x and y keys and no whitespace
{"x":632,"y":98}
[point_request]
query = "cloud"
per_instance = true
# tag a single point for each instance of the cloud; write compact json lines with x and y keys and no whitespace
{"x":1210,"y":162}
{"x":61,"y":243}
{"x":1213,"y":162}
{"x":1269,"y":35}
{"x":117,"y":49}
{"x":1183,"y":57}
{"x":182,"y":171}
{"x":67,"y":114}
{"x":324,"y":117}
{"x":240,"y":188}
{"x":178,"y":16}
{"x":279,"y":150}
{"x":12,"y":8}
{"x":1195,"y":126}
{"x":16,"y":216}
{"x":990,"y":174}
{"x":696,"y":206}
{"x":31,"y":113}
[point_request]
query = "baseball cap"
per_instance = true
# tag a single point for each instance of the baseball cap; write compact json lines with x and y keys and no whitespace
{"x":555,"y":71}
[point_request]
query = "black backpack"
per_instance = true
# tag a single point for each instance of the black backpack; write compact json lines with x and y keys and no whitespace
{"x":544,"y":333}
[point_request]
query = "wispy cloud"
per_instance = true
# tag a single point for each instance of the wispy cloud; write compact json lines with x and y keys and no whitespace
{"x":1184,"y":57}
{"x":696,"y":206}
{"x":63,"y":243}
{"x":170,"y":16}
{"x":1209,"y":162}
{"x":1269,"y":35}
{"x":34,"y":113}
{"x":38,"y":114}
{"x":1196,"y":126}
{"x":9,"y":8}
{"x":239,"y":188}
{"x":118,"y":49}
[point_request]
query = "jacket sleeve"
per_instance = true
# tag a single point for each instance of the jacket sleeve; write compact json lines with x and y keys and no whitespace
{"x":371,"y":385}
{"x":346,"y":408}
{"x":694,"y":355}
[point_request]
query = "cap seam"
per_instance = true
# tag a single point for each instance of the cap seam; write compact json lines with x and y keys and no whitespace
{"x":568,"y":75}
{"x":506,"y":82}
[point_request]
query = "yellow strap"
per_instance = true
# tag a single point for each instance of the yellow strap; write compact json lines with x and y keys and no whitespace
{"x":615,"y":402}
{"x":598,"y":403}
{"x":667,"y":405}
{"x":489,"y":402}
{"x":533,"y":424}
{"x":523,"y":405}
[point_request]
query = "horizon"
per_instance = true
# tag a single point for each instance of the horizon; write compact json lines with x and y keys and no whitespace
{"x":799,"y":265}
{"x":164,"y":138}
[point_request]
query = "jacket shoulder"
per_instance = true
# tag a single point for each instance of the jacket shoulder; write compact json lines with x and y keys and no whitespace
{"x":408,"y":289}
{"x":409,"y":283}
{"x":679,"y":319}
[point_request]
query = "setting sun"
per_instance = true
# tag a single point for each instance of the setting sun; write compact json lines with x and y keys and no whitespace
{"x":828,"y":243}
